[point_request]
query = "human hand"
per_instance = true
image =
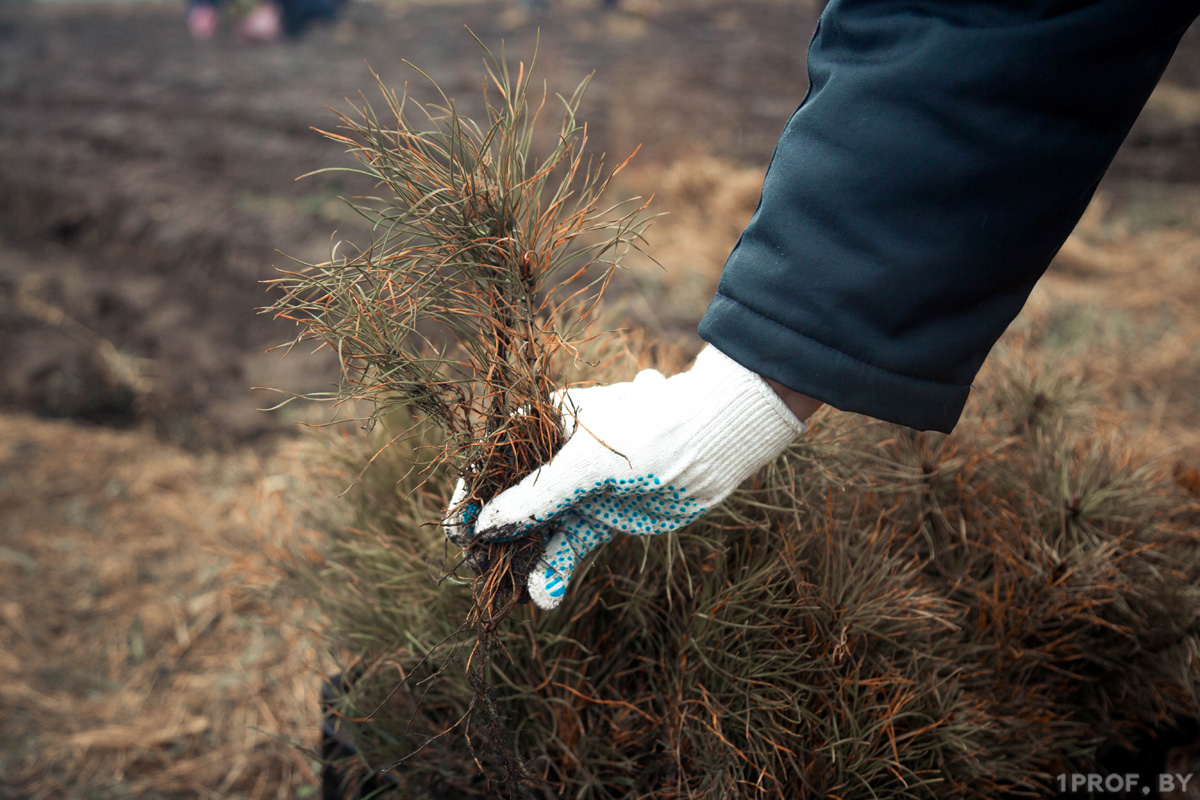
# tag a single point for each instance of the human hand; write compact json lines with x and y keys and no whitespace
{"x":643,"y":457}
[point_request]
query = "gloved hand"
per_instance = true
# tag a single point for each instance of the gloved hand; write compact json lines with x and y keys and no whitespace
{"x":644,"y":457}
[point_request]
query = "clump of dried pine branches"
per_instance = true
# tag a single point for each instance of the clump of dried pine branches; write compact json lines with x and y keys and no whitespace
{"x":878,"y":614}
{"x":484,"y":262}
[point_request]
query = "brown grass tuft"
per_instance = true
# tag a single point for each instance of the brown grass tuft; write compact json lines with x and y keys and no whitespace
{"x":140,"y":651}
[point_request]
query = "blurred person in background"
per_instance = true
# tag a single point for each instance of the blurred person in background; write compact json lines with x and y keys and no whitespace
{"x":543,"y":5}
{"x":942,"y":155}
{"x":266,"y":21}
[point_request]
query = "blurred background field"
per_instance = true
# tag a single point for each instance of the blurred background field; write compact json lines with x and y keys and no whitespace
{"x":147,"y":187}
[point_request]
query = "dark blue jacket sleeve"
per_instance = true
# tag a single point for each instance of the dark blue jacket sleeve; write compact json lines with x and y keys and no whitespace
{"x":943,"y":153}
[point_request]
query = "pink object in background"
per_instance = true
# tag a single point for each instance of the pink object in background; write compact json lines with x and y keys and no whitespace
{"x":264,"y":24}
{"x":202,"y":21}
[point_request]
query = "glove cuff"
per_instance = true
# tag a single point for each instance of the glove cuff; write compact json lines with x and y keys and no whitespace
{"x":742,"y":424}
{"x":719,"y":370}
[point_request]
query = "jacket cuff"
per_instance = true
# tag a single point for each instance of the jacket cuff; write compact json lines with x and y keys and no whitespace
{"x":807,"y":366}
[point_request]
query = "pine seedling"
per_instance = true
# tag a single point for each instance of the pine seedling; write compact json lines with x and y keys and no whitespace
{"x":484,"y":262}
{"x":456,"y":309}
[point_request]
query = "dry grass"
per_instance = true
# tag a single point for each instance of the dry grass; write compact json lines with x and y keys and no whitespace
{"x":707,"y":202}
{"x":139,"y":656}
{"x":138,"y":659}
{"x":1105,"y":344}
{"x":1119,"y":306}
{"x":882,"y":614}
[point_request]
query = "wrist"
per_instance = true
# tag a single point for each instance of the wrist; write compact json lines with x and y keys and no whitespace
{"x":799,"y":404}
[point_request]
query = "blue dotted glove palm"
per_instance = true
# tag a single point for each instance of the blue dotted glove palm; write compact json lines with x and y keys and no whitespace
{"x":643,"y":457}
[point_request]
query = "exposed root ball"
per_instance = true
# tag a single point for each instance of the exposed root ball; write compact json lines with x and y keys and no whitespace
{"x":502,"y":570}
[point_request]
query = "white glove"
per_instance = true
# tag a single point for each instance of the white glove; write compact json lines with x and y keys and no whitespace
{"x":643,"y":457}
